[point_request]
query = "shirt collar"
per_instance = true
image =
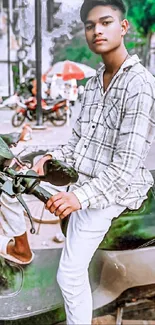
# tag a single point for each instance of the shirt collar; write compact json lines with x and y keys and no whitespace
{"x":131,"y":61}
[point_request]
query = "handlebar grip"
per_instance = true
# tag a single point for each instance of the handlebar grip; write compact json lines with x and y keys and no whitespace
{"x":41,"y":193}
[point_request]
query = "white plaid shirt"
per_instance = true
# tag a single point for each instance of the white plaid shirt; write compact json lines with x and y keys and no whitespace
{"x":112,"y":137}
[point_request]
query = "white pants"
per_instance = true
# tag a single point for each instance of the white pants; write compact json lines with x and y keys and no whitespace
{"x":86,"y":229}
{"x":12,"y":216}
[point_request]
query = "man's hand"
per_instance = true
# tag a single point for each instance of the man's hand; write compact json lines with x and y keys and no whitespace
{"x":63,"y":203}
{"x":38,"y":168}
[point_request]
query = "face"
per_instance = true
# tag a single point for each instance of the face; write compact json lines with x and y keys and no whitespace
{"x":104,"y":29}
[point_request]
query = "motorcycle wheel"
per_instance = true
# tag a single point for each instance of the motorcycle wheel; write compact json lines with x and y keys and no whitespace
{"x":30,"y":115}
{"x":18,"y":119}
{"x":59,"y":117}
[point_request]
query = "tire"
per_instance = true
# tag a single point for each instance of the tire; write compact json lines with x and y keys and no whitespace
{"x":30,"y":115}
{"x":59,"y":117}
{"x":17,"y":119}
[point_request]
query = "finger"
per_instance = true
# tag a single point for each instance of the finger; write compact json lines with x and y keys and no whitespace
{"x":60,"y":209}
{"x":65,"y":213}
{"x":54,"y":206}
{"x":53,"y":199}
{"x":59,"y":195}
{"x":51,"y":202}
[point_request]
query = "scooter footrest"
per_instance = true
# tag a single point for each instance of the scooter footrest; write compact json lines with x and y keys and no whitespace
{"x":136,"y":296}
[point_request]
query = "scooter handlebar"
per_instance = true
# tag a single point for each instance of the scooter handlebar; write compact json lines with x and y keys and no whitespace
{"x":39,"y":192}
{"x":31,"y":186}
{"x":28,"y":183}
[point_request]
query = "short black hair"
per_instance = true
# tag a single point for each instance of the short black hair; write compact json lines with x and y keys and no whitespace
{"x":90,"y":4}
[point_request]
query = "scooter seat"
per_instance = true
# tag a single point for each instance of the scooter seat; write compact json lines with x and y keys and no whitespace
{"x":133,"y":228}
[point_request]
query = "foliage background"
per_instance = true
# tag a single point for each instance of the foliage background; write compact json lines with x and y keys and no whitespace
{"x":141,"y":15}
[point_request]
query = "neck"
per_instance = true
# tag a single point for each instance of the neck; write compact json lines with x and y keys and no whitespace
{"x":113,"y":61}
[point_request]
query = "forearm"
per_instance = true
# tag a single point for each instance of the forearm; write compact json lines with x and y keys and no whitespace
{"x":103,"y":190}
{"x":106,"y":189}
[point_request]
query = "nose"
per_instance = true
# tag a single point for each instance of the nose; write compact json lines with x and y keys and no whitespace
{"x":98,"y":29}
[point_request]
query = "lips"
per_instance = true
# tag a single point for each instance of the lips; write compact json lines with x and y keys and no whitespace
{"x":99,"y":40}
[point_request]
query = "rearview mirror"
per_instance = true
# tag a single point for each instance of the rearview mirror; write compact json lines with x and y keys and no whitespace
{"x":59,"y":173}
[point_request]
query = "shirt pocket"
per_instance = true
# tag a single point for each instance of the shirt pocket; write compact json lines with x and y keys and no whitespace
{"x":111,"y":112}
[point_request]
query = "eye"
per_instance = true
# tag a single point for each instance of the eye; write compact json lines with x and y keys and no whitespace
{"x":105,"y":23}
{"x":88,"y":27}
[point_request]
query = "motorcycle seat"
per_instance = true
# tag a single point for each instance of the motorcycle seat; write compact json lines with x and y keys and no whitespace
{"x":46,"y":108}
{"x":133,"y":228}
{"x":50,"y":101}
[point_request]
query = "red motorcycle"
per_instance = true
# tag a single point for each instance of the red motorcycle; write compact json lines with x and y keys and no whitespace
{"x":54,"y":111}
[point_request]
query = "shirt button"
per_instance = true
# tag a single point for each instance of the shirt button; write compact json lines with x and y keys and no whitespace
{"x":85,"y":146}
{"x":93,"y":126}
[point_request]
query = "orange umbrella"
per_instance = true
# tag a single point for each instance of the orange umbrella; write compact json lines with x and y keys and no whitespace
{"x":71,"y":70}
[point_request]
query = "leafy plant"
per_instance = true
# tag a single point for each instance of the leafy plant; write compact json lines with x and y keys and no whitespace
{"x":141,"y":14}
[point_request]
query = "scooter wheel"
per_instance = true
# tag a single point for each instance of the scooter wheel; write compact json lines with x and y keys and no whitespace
{"x":59,"y":117}
{"x":18,"y":119}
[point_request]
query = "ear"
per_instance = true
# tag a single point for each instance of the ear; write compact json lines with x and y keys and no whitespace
{"x":125,"y":26}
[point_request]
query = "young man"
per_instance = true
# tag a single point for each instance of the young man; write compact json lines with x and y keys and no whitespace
{"x":108,"y":148}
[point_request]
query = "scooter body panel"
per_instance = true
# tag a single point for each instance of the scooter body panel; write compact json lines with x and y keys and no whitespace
{"x":120,"y":270}
{"x":32,"y":289}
